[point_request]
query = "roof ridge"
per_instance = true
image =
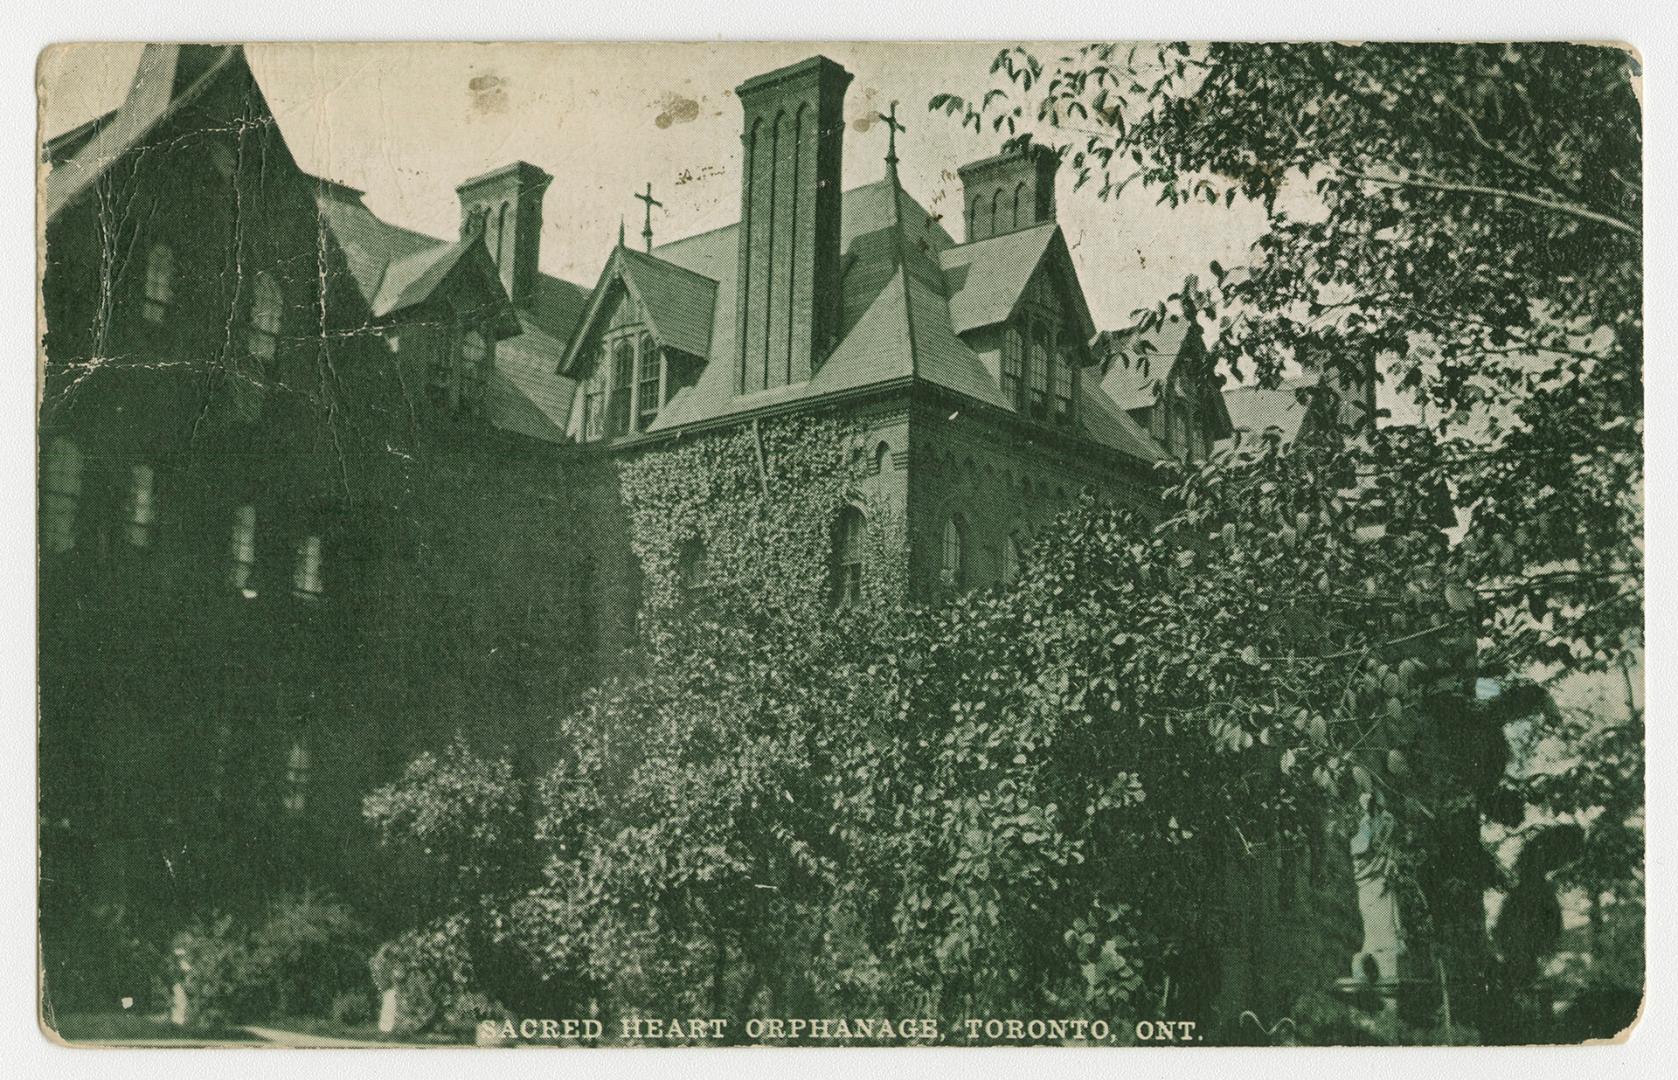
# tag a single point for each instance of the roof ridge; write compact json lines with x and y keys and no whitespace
{"x":896,"y":188}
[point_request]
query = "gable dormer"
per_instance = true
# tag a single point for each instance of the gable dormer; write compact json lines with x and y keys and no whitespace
{"x":1161,"y":376}
{"x":643,"y":339}
{"x":1016,"y":300}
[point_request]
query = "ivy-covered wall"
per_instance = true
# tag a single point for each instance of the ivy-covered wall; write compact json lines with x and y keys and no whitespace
{"x":760,"y":500}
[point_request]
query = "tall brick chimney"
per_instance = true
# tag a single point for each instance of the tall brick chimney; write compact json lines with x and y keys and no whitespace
{"x":787,"y":298}
{"x":1010,"y":191}
{"x":509,"y":201}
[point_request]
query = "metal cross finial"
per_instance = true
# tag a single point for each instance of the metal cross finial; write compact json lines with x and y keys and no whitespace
{"x":647,"y":231}
{"x":893,"y":126}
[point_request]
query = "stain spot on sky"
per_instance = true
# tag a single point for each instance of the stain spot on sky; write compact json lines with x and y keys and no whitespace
{"x":489,"y":93}
{"x":677,"y":109}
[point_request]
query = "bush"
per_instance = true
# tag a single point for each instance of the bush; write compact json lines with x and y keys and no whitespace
{"x":353,"y":1008}
{"x":312,"y":950}
{"x":305,"y":955}
{"x":431,"y":972}
{"x":224,"y":983}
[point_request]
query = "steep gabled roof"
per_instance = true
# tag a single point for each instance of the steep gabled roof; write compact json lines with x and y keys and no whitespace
{"x":899,"y":317}
{"x":411,"y":281}
{"x":680,"y":305}
{"x":1254,"y":410}
{"x":155,"y":94}
{"x":1136,"y":363}
{"x":986,"y":279}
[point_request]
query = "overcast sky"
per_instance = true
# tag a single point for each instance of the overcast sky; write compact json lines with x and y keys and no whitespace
{"x":408,"y":122}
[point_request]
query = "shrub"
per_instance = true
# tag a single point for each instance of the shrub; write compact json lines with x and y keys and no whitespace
{"x":353,"y":1008}
{"x":224,"y":983}
{"x":311,"y":950}
{"x":299,"y":960}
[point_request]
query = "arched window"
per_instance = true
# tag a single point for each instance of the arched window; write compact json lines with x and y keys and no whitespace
{"x":1013,"y":365}
{"x":160,"y":283}
{"x":243,"y":563}
{"x":623,"y":370}
{"x":953,"y":566}
{"x":646,"y":383}
{"x":1038,"y":394}
{"x":996,"y":209}
{"x":694,"y":568}
{"x":973,"y":221}
{"x":61,"y":493}
{"x":262,"y":339}
{"x":850,"y":536}
{"x":1064,"y":374}
{"x":474,"y":365}
{"x":305,"y":579}
{"x":1013,"y":555}
{"x":141,"y":508}
{"x":1019,"y":199}
{"x":882,"y":458}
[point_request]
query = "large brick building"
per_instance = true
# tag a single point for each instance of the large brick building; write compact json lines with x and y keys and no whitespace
{"x":317,"y":490}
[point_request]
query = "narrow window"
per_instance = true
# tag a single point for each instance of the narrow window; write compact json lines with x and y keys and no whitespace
{"x":594,"y":402}
{"x":61,"y":493}
{"x":1019,"y":198}
{"x":1013,"y":555}
{"x":646,"y":383}
{"x":623,"y":369}
{"x":1013,"y":365}
{"x":297,"y":765}
{"x":953,"y":572}
{"x":882,"y":458}
{"x":474,"y":360}
{"x":263,"y":336}
{"x":243,"y":564}
{"x":849,"y":541}
{"x":305,"y":579}
{"x":695,"y":570}
{"x":160,"y":283}
{"x":137,"y":527}
{"x":1063,"y":387}
{"x":1039,"y":389}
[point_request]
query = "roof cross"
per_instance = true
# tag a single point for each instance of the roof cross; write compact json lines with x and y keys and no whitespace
{"x":893,"y":126}
{"x":647,"y":230}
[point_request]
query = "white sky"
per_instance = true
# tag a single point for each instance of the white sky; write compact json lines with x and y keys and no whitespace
{"x":407,"y":122}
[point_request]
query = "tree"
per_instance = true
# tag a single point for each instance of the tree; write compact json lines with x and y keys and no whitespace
{"x":1466,"y":221}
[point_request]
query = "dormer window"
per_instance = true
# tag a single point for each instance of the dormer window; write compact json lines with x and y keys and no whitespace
{"x":1013,"y":365}
{"x":623,"y":369}
{"x":646,"y":383}
{"x":1038,"y":385}
{"x":1065,"y":372}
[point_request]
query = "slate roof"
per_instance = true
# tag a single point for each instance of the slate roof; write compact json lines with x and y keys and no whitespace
{"x":151,"y":99}
{"x":985,"y":279}
{"x":897,"y":319}
{"x":395,"y":268}
{"x":1136,"y":364}
{"x":1254,"y":410}
{"x":392,"y":268}
{"x":680,"y":304}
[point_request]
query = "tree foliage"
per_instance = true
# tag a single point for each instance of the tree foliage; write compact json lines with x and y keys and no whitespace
{"x":1464,"y":223}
